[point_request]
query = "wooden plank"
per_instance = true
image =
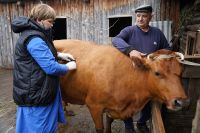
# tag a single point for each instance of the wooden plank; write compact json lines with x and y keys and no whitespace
{"x":190,"y":36}
{"x":196,"y":121}
{"x":195,"y":20}
{"x":97,"y":21}
{"x":191,"y":71}
{"x":193,"y":27}
{"x":157,"y":123}
{"x":1,"y":41}
{"x":192,"y":56}
{"x":91,"y":23}
{"x":84,"y":20}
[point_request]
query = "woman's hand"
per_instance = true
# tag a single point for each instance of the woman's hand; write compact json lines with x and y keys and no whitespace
{"x":71,"y":65}
{"x":65,"y":56}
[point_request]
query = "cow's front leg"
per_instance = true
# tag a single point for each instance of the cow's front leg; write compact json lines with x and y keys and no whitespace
{"x":97,"y":116}
{"x":109,"y":121}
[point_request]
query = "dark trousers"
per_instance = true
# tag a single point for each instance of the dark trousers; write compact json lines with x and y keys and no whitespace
{"x":145,"y":115}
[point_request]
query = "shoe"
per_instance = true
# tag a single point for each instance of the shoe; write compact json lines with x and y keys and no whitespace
{"x":129,"y":130}
{"x":142,"y":127}
{"x":69,"y":113}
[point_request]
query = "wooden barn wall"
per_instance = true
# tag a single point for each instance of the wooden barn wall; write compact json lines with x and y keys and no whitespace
{"x":190,"y":24}
{"x":85,"y":21}
{"x":182,"y":121}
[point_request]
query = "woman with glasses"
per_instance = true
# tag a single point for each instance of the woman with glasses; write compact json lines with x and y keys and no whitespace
{"x":35,"y":75}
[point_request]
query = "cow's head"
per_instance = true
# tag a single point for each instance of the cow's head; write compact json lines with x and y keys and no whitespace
{"x":164,"y":78}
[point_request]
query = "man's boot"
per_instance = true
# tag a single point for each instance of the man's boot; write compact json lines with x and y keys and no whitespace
{"x":129,"y":130}
{"x":142,"y":127}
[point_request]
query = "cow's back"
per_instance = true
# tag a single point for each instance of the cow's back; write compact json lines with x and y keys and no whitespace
{"x":96,"y":70}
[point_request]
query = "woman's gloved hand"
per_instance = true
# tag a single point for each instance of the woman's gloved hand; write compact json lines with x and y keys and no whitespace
{"x":71,"y":65}
{"x":65,"y":56}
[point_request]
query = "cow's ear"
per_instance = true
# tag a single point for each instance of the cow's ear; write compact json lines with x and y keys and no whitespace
{"x":140,"y":63}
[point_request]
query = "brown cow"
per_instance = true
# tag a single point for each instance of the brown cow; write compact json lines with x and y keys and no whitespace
{"x":108,"y":81}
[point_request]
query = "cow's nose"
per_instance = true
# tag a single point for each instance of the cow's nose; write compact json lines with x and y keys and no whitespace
{"x":183,"y":103}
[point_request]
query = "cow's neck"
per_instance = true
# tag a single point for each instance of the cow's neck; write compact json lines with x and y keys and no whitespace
{"x":134,"y":98}
{"x":131,"y":106}
{"x":141,"y":91}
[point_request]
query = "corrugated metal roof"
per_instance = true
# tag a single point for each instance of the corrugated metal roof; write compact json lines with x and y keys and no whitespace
{"x":165,"y":27}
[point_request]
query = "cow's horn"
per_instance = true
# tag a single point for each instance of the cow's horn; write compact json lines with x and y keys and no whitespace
{"x":164,"y":56}
{"x":150,"y":56}
{"x":161,"y":56}
{"x":180,"y":55}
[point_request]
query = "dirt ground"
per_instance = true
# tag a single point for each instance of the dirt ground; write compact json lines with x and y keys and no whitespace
{"x":82,"y":122}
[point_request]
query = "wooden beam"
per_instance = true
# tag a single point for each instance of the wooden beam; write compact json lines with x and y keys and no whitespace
{"x":157,"y":123}
{"x":196,"y":121}
{"x":191,"y":56}
{"x":193,"y":27}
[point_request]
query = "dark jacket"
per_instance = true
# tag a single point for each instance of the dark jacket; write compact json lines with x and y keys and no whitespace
{"x":132,"y":37}
{"x":31,"y":85}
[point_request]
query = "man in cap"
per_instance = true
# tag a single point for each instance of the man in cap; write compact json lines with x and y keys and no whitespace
{"x":140,"y":40}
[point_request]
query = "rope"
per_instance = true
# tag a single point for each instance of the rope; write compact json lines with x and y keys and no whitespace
{"x":189,"y":63}
{"x":94,"y":25}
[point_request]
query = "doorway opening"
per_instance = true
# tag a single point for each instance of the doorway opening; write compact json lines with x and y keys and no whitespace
{"x":118,"y":23}
{"x":60,"y":29}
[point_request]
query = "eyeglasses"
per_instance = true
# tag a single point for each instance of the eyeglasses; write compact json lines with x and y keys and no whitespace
{"x":51,"y":21}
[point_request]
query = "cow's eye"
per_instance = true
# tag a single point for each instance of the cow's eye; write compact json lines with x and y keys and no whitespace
{"x":157,"y":73}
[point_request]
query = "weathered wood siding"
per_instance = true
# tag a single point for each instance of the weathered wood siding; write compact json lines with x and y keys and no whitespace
{"x":85,"y":21}
{"x":182,"y":120}
{"x":196,"y":120}
{"x":190,"y":23}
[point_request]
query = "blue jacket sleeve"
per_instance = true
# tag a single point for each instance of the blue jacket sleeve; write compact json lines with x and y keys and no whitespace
{"x":120,"y":41}
{"x":44,"y":57}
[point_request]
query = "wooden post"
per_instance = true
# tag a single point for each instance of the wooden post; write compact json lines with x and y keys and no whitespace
{"x":196,"y":121}
{"x":157,"y":123}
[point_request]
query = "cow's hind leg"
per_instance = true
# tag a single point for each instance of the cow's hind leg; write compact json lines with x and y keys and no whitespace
{"x":109,"y":121}
{"x":97,"y":115}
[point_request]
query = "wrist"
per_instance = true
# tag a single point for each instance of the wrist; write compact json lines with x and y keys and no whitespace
{"x":128,"y":50}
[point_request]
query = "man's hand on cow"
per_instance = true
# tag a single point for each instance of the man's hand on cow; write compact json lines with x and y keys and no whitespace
{"x":135,"y":53}
{"x":65,"y":56}
{"x":71,"y":65}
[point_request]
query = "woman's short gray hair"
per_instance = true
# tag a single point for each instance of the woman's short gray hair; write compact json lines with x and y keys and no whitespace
{"x":42,"y":12}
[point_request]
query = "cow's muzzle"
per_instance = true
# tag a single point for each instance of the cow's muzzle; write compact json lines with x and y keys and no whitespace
{"x":179,"y":104}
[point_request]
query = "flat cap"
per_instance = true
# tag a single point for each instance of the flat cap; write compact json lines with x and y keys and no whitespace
{"x":144,"y":8}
